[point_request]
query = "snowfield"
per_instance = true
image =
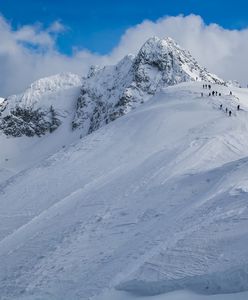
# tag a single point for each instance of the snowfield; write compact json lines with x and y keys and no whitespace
{"x":152,"y":203}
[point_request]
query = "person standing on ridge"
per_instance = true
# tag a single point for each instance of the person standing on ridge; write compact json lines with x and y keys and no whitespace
{"x":230,"y":113}
{"x":238,"y":107}
{"x":226,"y":110}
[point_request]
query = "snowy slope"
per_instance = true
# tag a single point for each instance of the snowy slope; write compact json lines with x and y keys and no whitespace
{"x":153,"y":202}
{"x":110,"y":92}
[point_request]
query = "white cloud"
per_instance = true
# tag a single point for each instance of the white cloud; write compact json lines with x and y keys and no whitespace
{"x":56,"y":27}
{"x":222,"y":51}
{"x":29,"y":52}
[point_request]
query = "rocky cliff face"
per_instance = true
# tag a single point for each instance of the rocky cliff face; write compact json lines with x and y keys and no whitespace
{"x":110,"y":92}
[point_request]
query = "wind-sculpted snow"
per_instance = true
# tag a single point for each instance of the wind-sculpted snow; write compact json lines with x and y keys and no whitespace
{"x":153,"y":202}
{"x":110,"y":92}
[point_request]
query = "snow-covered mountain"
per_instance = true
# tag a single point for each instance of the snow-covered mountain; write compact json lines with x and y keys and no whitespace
{"x":106,"y":93}
{"x":110,"y":92}
{"x":41,"y":108}
{"x":153,"y":202}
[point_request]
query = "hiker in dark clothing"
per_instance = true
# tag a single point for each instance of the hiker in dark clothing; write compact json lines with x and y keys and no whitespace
{"x":230,"y":93}
{"x":226,"y":110}
{"x":230,"y":113}
{"x":209,"y":94}
{"x":213,"y":93}
{"x":202,"y":94}
{"x":221,"y":106}
{"x":209,"y":86}
{"x":219,"y":94}
{"x":216,"y":93}
{"x":238,"y":107}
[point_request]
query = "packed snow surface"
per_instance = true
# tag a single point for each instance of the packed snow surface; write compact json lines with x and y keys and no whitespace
{"x":150,"y":204}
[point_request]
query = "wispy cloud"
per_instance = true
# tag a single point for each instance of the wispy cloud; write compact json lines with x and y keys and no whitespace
{"x":30,"y":52}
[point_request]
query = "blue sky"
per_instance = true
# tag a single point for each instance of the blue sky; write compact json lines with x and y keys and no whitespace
{"x":98,"y":25}
{"x":35,"y":44}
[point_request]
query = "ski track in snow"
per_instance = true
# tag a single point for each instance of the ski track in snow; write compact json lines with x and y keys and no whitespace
{"x":151,"y":203}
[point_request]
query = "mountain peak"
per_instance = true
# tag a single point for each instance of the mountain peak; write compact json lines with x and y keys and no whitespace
{"x":110,"y":92}
{"x":161,"y":47}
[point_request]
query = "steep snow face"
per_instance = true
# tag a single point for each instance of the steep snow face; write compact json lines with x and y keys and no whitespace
{"x":153,"y":202}
{"x":40,"y":108}
{"x":111,"y":92}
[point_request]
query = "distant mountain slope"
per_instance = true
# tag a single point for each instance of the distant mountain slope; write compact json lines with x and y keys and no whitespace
{"x":40,"y":108}
{"x":110,"y":92}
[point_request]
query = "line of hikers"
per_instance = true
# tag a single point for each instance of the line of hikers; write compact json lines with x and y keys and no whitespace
{"x":229,"y":111}
{"x":207,"y":86}
{"x":215,"y":93}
